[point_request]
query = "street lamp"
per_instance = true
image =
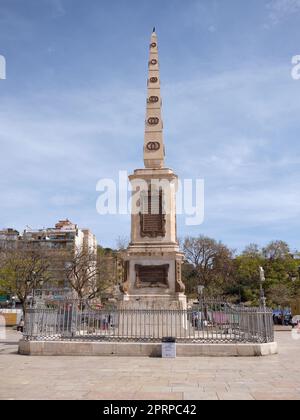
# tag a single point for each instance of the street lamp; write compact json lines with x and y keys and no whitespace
{"x":200,"y":292}
{"x":34,"y":285}
{"x":28,"y":282}
{"x":13,"y":302}
{"x":262,"y":279}
{"x":202,"y":308}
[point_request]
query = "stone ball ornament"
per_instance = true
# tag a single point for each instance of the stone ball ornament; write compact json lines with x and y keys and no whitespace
{"x":153,"y":146}
{"x":153,"y":79}
{"x":153,"y":99}
{"x":153,"y":121}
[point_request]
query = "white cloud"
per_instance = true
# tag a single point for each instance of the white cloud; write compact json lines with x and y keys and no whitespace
{"x":238,"y":130}
{"x":281,"y":9}
{"x":226,"y":128}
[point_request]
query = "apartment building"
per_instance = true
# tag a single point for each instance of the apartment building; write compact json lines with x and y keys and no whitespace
{"x":60,"y":243}
{"x":9,"y":238}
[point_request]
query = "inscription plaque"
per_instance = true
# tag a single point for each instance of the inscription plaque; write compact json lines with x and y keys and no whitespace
{"x":152,"y":276}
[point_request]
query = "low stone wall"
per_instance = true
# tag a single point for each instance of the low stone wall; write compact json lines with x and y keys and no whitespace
{"x":76,"y":348}
{"x":282,"y":328}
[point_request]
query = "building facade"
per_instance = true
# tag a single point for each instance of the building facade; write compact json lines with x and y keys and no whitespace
{"x":9,"y":238}
{"x":59,"y":244}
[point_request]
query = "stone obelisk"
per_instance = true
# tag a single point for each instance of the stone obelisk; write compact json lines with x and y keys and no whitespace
{"x":152,"y":267}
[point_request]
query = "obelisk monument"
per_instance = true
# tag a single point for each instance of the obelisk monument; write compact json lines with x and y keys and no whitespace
{"x":152,"y":265}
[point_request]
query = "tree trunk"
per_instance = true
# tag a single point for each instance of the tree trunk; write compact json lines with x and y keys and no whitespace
{"x":24,"y":308}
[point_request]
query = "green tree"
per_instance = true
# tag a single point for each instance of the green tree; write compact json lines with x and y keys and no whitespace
{"x":246,"y":275}
{"x":282,"y":274}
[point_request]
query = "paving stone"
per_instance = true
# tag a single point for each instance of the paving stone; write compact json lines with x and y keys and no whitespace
{"x":269,"y":378}
{"x":200,"y":396}
{"x":235,"y":396}
{"x":158,"y":396}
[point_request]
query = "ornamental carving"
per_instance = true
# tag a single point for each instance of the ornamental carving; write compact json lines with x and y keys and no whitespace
{"x":152,"y":217}
{"x":153,"y":146}
{"x":179,"y":286}
{"x":153,"y":225}
{"x":153,"y":121}
{"x":153,"y":99}
{"x":125,"y":284}
{"x":153,"y":79}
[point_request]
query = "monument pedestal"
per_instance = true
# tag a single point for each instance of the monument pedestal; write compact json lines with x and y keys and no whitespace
{"x":153,"y":278}
{"x":153,"y":316}
{"x":153,"y":302}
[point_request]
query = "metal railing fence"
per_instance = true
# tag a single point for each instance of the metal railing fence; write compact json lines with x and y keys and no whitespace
{"x":208,"y":322}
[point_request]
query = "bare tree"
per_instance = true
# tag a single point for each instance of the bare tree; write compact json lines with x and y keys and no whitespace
{"x":22,"y":271}
{"x":90,"y":274}
{"x":252,"y":251}
{"x":82,"y":272}
{"x":277,"y":250}
{"x":122,"y":243}
{"x":212,"y":261}
{"x":107,"y":270}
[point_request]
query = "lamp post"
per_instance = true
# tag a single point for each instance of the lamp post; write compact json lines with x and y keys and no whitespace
{"x":28,"y":282}
{"x":200,"y":292}
{"x":201,"y":314}
{"x":262,"y":279}
{"x":34,"y":284}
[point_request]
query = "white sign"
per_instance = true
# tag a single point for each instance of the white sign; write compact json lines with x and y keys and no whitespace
{"x":296,"y":332}
{"x":168,"y":350}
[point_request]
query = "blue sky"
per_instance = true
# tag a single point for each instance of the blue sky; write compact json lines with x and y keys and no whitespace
{"x":73,"y":105}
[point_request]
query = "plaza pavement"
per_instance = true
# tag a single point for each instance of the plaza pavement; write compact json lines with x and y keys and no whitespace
{"x":271,"y":378}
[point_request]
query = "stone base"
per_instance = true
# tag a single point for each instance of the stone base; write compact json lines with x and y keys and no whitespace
{"x":282,"y":328}
{"x":176,"y":302}
{"x":76,"y":348}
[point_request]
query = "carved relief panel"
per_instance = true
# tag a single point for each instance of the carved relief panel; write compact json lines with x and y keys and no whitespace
{"x":152,"y":276}
{"x":152,"y":217}
{"x":180,"y":287}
